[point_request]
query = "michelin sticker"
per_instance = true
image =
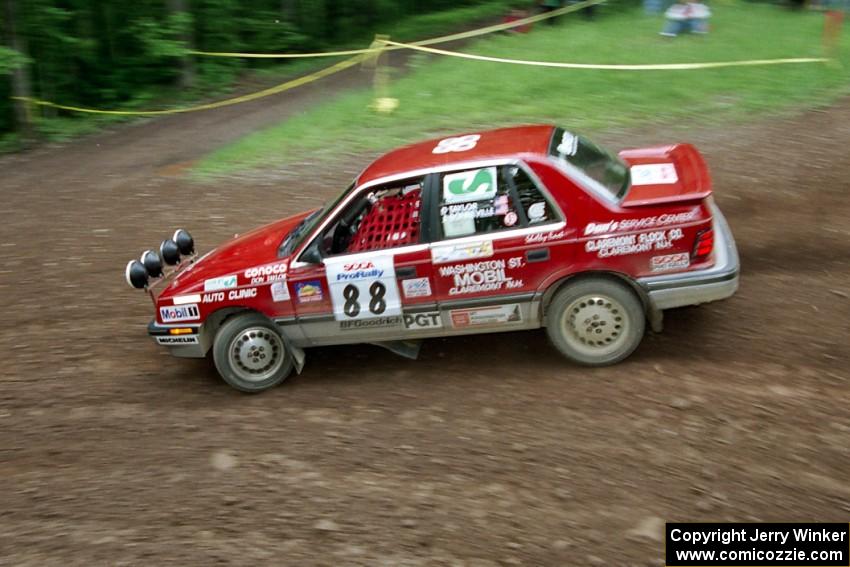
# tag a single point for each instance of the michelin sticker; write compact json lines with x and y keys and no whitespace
{"x":654,"y":174}
{"x":363,"y":287}
{"x":459,"y":252}
{"x":416,"y":287}
{"x":217,"y":284}
{"x":173,"y":341}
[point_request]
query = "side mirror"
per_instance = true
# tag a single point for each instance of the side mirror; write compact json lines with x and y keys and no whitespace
{"x":311,"y":254}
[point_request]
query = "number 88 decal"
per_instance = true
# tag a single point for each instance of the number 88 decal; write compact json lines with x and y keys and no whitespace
{"x":377,"y":304}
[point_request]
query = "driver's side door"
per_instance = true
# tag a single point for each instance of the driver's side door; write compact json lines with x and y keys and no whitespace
{"x":370,"y":278}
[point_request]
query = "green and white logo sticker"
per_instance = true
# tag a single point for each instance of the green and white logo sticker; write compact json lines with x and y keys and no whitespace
{"x":467,"y":186}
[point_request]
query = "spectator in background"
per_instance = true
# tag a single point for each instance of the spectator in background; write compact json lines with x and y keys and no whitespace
{"x":550,"y":6}
{"x":653,"y":6}
{"x":686,"y":16}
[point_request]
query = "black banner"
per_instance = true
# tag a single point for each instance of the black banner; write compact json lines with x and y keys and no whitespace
{"x":758,"y":545}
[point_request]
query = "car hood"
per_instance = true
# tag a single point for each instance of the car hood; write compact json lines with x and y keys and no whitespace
{"x":258,"y":247}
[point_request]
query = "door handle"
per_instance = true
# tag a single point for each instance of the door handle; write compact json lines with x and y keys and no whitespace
{"x":539,"y":255}
{"x":405,"y":272}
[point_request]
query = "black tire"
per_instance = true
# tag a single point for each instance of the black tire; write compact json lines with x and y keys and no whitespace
{"x":595,"y":321}
{"x":250,"y":354}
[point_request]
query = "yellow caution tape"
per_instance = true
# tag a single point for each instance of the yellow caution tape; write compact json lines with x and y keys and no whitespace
{"x":218,"y":104}
{"x":648,"y":67}
{"x":442,"y":39}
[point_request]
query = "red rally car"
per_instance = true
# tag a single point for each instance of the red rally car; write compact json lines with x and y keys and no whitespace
{"x":502,"y":230}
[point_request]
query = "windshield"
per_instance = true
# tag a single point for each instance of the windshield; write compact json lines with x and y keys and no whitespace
{"x":306,"y":226}
{"x":597,"y":163}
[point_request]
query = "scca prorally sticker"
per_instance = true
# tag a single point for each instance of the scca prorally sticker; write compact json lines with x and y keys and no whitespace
{"x":458,"y":144}
{"x":644,"y":223}
{"x":468,"y":186}
{"x":178,"y":340}
{"x":654,"y":174}
{"x":633,"y":243}
{"x":422,"y":321}
{"x":483,"y":276}
{"x":363,"y":287}
{"x":218,"y":284}
{"x":483,"y":316}
{"x":179,"y":313}
{"x":670,"y":262}
{"x":280,"y":292}
{"x":459,"y":252}
{"x":416,"y":287}
{"x":264,"y":274}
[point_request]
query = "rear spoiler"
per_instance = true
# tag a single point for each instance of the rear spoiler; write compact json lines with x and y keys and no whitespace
{"x":666,"y":174}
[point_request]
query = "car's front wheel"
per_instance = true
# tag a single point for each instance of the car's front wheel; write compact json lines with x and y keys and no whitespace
{"x":250,"y":354}
{"x":595,"y":321}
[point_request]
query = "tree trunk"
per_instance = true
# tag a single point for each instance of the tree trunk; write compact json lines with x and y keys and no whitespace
{"x":187,"y":62}
{"x":21,"y":86}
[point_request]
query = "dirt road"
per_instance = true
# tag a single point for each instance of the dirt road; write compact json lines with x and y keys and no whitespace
{"x":489,"y":450}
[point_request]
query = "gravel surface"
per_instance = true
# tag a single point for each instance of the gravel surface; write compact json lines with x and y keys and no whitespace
{"x":489,"y":450}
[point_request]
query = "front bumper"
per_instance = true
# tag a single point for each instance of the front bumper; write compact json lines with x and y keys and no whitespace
{"x":711,"y":284}
{"x":185,"y":345}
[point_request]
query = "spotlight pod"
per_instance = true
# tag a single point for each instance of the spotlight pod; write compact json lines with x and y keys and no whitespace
{"x":152,"y":263}
{"x":184,"y":241}
{"x":136,"y":274}
{"x":169,"y":252}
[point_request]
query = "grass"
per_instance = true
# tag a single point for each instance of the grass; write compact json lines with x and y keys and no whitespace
{"x":444,"y":95}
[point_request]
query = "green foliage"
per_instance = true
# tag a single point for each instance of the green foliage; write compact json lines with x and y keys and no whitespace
{"x":10,"y":60}
{"x":106,"y":54}
{"x":449,"y":95}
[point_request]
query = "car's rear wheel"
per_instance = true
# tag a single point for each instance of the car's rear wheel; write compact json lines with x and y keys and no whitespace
{"x":595,"y":321}
{"x":250,"y":354}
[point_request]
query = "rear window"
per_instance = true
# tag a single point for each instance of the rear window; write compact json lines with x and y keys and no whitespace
{"x":598,"y":164}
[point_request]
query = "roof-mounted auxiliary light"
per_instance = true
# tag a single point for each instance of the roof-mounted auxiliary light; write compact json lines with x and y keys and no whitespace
{"x":185,"y":242}
{"x":169,"y":252}
{"x":136,"y":274}
{"x":152,"y":263}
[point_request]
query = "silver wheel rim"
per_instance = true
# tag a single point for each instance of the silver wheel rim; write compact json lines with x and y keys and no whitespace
{"x":596,"y":325}
{"x":256,"y":354}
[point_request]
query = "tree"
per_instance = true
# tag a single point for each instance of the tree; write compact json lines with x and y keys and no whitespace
{"x":180,"y":11}
{"x":21,"y":86}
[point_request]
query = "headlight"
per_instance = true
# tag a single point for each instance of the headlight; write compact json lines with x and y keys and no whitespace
{"x":136,"y":274}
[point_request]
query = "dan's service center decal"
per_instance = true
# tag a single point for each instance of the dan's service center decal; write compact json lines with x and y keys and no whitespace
{"x":363,"y":286}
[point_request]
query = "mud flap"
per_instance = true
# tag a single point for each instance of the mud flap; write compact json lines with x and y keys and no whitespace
{"x":298,"y":356}
{"x":407,"y":349}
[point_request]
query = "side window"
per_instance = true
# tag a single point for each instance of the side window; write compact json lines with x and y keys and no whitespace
{"x":383,"y":217}
{"x":537,"y":208}
{"x":490,"y":199}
